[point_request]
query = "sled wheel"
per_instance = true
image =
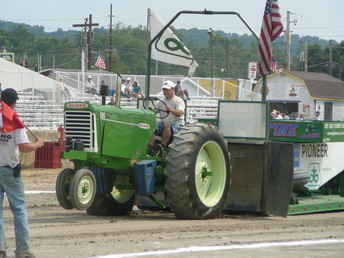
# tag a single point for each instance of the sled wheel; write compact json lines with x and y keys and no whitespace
{"x":63,"y":181}
{"x":82,"y":189}
{"x":198,"y":173}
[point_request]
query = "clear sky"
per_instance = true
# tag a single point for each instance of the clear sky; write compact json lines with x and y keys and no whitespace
{"x":322,"y":18}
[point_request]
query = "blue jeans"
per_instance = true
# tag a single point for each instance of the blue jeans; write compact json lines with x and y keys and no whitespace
{"x":14,"y":189}
{"x":174,"y":127}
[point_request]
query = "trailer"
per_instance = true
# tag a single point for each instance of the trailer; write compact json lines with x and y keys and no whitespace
{"x":310,"y":152}
{"x":317,"y":149}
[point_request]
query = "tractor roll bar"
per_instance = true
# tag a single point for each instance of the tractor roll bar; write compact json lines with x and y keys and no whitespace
{"x":157,"y":36}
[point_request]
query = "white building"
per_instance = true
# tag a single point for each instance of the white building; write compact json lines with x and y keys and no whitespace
{"x":306,"y":93}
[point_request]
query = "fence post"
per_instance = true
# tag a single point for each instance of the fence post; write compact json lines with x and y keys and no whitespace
{"x":78,"y":81}
{"x":223,"y":89}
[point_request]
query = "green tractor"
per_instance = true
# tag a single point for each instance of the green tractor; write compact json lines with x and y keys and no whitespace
{"x":114,"y":164}
{"x":113,"y":161}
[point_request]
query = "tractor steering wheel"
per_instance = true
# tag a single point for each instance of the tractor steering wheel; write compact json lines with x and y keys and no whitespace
{"x":153,"y":105}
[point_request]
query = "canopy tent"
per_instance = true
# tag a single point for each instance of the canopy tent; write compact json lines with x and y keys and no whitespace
{"x":23,"y":79}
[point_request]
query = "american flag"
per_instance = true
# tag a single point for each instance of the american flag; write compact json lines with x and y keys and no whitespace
{"x":271,"y":28}
{"x":100,"y":63}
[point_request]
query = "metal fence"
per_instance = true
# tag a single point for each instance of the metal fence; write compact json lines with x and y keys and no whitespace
{"x":37,"y":113}
{"x":41,"y":112}
{"x":211,"y":87}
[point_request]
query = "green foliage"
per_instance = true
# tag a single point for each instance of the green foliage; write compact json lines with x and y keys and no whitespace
{"x":319,"y":59}
{"x":11,"y":26}
{"x":230,"y":52}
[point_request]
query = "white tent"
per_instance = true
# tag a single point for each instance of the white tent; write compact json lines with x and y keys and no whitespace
{"x":23,"y":79}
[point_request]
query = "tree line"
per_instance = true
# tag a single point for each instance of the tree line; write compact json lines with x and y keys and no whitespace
{"x":221,"y":54}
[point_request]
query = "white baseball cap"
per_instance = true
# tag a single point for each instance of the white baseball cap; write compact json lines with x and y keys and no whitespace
{"x":128,"y":79}
{"x":168,"y":85}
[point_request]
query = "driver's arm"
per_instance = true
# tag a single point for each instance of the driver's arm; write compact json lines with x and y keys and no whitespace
{"x":176,"y":112}
{"x":179,"y":110}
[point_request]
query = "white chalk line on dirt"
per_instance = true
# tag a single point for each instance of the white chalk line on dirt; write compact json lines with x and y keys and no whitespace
{"x":226,"y":247}
{"x":39,"y":192}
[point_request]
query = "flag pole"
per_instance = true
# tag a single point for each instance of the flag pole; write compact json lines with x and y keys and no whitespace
{"x":149,"y":52}
{"x":32,"y":133}
{"x":83,"y":72}
{"x":271,"y":28}
{"x":264,"y":89}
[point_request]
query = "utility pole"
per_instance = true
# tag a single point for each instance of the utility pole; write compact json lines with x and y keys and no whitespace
{"x":306,"y":56}
{"x":330,"y":62}
{"x":110,"y":40}
{"x":88,"y":33}
{"x":227,"y":57}
{"x":54,"y":61}
{"x":84,"y":41}
{"x":287,"y":36}
{"x":89,"y":40}
{"x":39,"y":62}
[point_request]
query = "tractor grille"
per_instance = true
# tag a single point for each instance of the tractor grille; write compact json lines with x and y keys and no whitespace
{"x":79,"y":125}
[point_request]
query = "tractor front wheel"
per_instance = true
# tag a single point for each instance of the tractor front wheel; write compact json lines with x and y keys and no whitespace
{"x":198,"y":173}
{"x":116,"y":203}
{"x":62,"y":187}
{"x":82,"y":189}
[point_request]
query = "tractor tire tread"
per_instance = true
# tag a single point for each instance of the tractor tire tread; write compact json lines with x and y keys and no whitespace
{"x":180,"y":164}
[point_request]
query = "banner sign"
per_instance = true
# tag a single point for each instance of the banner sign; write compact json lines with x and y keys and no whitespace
{"x":306,"y":131}
{"x":322,"y":162}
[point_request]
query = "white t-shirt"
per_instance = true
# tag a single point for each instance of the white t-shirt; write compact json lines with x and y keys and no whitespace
{"x":90,"y":84}
{"x":123,"y":88}
{"x":9,"y":151}
{"x":174,"y":103}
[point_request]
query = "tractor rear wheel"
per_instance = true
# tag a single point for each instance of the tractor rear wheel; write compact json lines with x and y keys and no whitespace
{"x":82,"y":189}
{"x":198,"y":173}
{"x":63,"y":181}
{"x":116,"y":203}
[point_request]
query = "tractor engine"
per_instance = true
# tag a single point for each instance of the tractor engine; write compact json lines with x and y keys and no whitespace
{"x":107,"y":130}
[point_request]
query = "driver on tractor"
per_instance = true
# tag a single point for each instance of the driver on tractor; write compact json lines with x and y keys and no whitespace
{"x":173,"y":119}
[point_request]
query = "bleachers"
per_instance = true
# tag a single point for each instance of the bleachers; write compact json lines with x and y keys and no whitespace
{"x":201,"y":108}
{"x":38,"y":113}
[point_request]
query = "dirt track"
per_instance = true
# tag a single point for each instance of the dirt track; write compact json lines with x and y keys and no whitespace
{"x":56,"y":232}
